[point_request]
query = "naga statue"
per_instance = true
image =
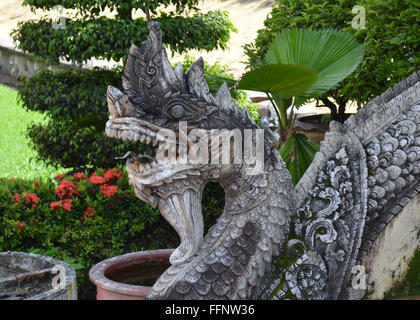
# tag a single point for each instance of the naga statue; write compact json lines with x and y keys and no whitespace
{"x":272,"y":241}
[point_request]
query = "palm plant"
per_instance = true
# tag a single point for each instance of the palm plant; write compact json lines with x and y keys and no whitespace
{"x":301,"y":64}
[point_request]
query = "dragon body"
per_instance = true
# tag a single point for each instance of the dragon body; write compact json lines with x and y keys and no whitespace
{"x":366,"y":171}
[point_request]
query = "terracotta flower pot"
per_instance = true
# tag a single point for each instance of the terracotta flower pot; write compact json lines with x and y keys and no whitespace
{"x":129,"y":276}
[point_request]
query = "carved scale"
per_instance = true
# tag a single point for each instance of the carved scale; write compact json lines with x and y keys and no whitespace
{"x":271,"y":241}
{"x":366,"y":171}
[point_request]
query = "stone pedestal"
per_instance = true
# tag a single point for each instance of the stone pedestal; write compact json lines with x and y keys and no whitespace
{"x":26,"y":276}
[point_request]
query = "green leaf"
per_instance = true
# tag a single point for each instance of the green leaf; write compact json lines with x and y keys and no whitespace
{"x":215,"y":81}
{"x":331,"y":53}
{"x":298,"y":152}
{"x":286,"y":80}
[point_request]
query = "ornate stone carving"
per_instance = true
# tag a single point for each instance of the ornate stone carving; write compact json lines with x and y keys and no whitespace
{"x":326,"y":228}
{"x":394,"y":167}
{"x":271,"y":240}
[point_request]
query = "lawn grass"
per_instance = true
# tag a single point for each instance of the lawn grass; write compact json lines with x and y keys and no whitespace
{"x":15,"y":153}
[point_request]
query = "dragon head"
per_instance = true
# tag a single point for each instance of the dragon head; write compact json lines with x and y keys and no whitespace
{"x":159,"y":106}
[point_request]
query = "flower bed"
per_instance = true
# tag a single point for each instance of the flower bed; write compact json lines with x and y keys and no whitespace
{"x":84,"y":218}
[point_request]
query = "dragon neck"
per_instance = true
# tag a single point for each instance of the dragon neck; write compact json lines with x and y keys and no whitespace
{"x":235,"y":259}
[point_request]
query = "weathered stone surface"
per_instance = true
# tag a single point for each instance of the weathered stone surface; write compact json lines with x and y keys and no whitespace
{"x":387,"y":260}
{"x":27,"y":276}
{"x":364,"y":174}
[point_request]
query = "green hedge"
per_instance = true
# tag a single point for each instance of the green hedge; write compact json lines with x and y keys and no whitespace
{"x":75,"y":103}
{"x":105,"y":38}
{"x":53,"y":217}
{"x":71,"y":146}
{"x":66,"y":96}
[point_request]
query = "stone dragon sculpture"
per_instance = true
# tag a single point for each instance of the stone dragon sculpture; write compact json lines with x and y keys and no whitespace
{"x":271,"y":241}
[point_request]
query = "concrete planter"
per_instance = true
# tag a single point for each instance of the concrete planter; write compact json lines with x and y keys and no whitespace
{"x":27,"y":276}
{"x":129,"y":276}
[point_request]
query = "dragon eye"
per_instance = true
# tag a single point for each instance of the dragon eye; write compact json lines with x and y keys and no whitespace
{"x":177,"y":111}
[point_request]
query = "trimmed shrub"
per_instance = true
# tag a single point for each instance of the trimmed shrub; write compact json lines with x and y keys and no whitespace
{"x":89,"y":34}
{"x":106,"y":38}
{"x":75,"y":103}
{"x":79,"y":95}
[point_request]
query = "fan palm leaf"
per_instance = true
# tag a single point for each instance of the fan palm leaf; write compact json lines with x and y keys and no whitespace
{"x":331,"y":53}
{"x":286,"y":80}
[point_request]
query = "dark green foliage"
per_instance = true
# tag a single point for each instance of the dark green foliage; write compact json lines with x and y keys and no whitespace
{"x":212,"y":204}
{"x":94,"y":7}
{"x":69,"y":95}
{"x":391,"y":40}
{"x":71,"y":146}
{"x":76,"y":104}
{"x":105,"y":38}
{"x":121,"y":223}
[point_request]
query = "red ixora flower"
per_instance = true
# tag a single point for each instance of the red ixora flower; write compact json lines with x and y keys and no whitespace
{"x":108,"y":191}
{"x":79,"y":176}
{"x":88,"y":212}
{"x":67,"y":204}
{"x":12,"y":180}
{"x":32,"y":197}
{"x":55,"y":205}
{"x":96,"y":179}
{"x":21,"y":225}
{"x":112,"y":175}
{"x":66,"y":188}
{"x":16,"y":197}
{"x":59,"y":177}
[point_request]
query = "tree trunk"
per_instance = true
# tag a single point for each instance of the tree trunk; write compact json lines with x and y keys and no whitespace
{"x":333,"y":108}
{"x":338,"y":112}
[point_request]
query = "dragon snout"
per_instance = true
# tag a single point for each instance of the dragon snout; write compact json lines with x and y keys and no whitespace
{"x":119,"y":105}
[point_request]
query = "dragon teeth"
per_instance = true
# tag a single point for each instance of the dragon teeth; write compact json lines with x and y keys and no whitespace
{"x":126,"y":135}
{"x":180,"y":176}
